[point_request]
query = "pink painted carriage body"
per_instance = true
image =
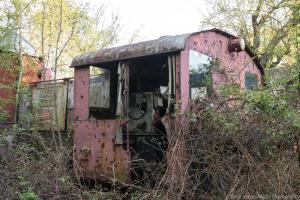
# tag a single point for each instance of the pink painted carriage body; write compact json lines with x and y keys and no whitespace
{"x":144,"y":80}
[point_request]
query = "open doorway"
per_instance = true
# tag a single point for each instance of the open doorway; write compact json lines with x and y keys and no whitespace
{"x":148,"y":104}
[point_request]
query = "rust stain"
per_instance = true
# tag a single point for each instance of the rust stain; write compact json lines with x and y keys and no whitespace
{"x":94,"y":140}
{"x":103,"y":152}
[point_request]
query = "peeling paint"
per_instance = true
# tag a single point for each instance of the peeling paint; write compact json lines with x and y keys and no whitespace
{"x":97,"y":155}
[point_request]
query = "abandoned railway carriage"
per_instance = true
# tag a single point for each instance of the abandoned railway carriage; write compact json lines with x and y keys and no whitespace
{"x":142,"y":84}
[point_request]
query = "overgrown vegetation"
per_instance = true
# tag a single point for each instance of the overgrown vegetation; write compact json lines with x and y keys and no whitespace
{"x":31,"y":168}
{"x":241,"y":145}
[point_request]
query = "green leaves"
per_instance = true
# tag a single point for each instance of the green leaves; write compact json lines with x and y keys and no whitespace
{"x":8,"y":25}
{"x":62,"y":179}
{"x":268,"y":27}
{"x":28,"y":196}
{"x":83,"y":29}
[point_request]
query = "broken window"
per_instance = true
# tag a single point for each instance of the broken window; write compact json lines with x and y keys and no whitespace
{"x":200,"y":75}
{"x":250,"y":81}
{"x":99,"y":88}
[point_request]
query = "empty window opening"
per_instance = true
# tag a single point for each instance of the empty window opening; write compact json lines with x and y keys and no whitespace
{"x":250,"y":81}
{"x":200,"y":75}
{"x":102,"y":91}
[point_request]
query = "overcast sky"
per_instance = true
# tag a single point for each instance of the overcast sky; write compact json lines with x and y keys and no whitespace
{"x":156,"y":17}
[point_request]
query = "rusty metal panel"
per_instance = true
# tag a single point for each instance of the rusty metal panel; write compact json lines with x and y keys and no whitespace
{"x":81,"y":93}
{"x":96,"y":154}
{"x":162,"y":45}
{"x":44,"y":103}
{"x":99,"y":94}
{"x":232,"y":67}
{"x":184,"y":80}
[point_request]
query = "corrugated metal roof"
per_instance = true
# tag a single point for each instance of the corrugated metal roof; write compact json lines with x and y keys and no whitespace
{"x":165,"y":44}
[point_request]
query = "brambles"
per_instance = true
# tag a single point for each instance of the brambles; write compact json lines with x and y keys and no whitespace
{"x":233,"y":148}
{"x":225,"y":148}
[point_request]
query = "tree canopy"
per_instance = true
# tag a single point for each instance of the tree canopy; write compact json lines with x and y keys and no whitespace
{"x":269,"y":27}
{"x":56,"y":30}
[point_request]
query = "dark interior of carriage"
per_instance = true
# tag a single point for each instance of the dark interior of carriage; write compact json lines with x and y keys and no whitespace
{"x":148,"y":103}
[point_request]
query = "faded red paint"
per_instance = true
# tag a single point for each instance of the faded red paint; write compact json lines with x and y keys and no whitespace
{"x":46,"y":115}
{"x":96,"y":153}
{"x":81,"y":93}
{"x":233,"y":64}
{"x":184,"y":79}
{"x":94,"y":140}
{"x":232,"y":70}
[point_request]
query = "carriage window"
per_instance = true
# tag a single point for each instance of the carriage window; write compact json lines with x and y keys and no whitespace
{"x":99,"y":90}
{"x":200,"y":74}
{"x":250,"y":81}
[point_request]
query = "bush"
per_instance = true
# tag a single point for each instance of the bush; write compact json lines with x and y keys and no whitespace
{"x":241,"y":145}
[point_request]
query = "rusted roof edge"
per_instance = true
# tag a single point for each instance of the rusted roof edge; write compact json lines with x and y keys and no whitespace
{"x":75,"y":64}
{"x":165,"y":44}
